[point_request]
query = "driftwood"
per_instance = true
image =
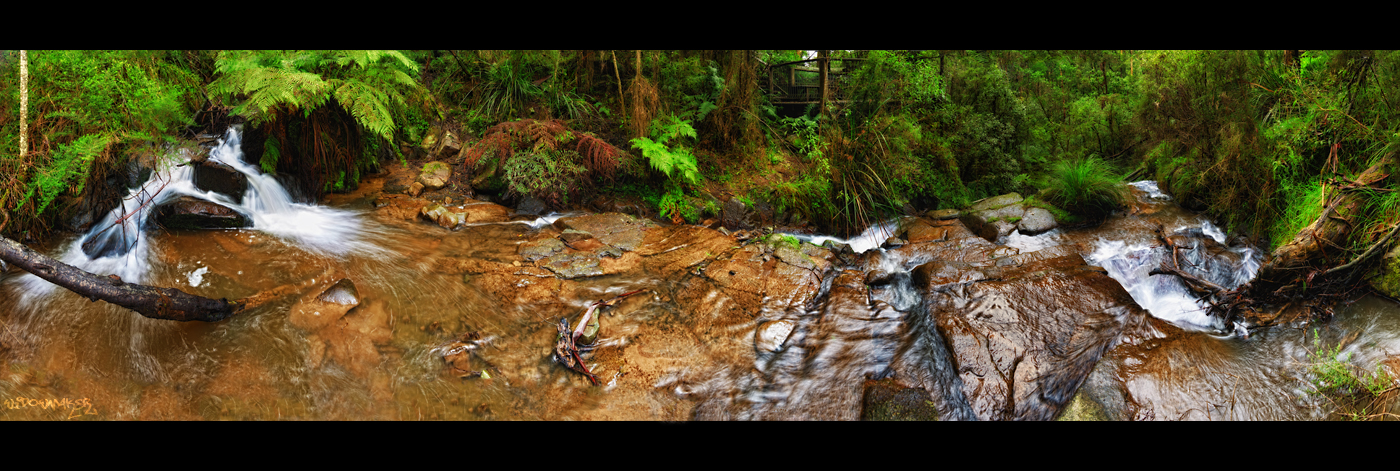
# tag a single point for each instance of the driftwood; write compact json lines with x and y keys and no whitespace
{"x":566,"y":347}
{"x":149,"y":301}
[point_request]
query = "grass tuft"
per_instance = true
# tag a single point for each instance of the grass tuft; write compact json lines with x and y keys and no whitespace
{"x":1087,"y":187}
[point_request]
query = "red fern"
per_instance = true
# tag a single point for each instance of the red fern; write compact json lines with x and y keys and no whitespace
{"x":505,"y":138}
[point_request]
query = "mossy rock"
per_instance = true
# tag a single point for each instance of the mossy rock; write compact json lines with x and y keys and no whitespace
{"x":1385,"y":278}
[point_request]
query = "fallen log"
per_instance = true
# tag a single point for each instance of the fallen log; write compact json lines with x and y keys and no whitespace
{"x":1318,"y":246}
{"x":149,"y":301}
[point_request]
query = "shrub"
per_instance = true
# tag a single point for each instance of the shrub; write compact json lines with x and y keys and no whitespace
{"x":550,"y":175}
{"x":1356,"y":395}
{"x":1086,"y":186}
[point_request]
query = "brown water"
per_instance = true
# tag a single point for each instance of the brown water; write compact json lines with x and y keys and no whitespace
{"x":684,"y":349}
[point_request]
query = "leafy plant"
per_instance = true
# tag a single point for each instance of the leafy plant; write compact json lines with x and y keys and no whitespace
{"x":325,"y":105}
{"x":1087,"y":186}
{"x":1355,"y":394}
{"x":671,"y":158}
{"x":505,"y":139}
{"x":554,"y":176}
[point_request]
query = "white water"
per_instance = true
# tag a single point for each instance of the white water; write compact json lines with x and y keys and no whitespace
{"x":1166,"y":297}
{"x":318,"y":229}
{"x":873,"y":237}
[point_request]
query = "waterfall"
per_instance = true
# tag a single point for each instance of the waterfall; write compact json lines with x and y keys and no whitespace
{"x":119,"y":246}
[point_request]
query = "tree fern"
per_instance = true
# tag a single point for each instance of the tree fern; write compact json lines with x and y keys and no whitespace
{"x":372,"y":89}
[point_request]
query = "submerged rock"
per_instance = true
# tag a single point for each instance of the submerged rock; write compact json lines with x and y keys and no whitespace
{"x":887,"y":400}
{"x":317,"y":311}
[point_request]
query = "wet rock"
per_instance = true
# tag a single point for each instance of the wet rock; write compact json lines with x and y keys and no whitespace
{"x":942,"y":214}
{"x":772,"y":335}
{"x":1385,"y":278}
{"x":622,"y":231}
{"x":923,"y":230}
{"x":570,"y":265}
{"x":471,"y":212}
{"x":892,"y":242}
{"x":531,"y":205}
{"x":187,"y":212}
{"x":887,"y":400}
{"x":995,"y":202}
{"x":415,"y":189}
{"x":435,"y":175}
{"x":1024,"y":344}
{"x":488,"y":176}
{"x":737,"y":215}
{"x":342,"y":292}
{"x":444,"y":217}
{"x":317,"y":311}
{"x":878,"y":277}
{"x":400,"y":206}
{"x":220,"y":178}
{"x":540,"y":248}
{"x":979,"y":226}
{"x":1036,"y":221}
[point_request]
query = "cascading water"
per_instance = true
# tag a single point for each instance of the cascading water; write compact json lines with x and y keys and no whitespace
{"x":118,"y":246}
{"x":1207,"y":256}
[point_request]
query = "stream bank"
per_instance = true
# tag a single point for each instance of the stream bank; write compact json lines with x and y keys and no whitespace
{"x":457,"y":322}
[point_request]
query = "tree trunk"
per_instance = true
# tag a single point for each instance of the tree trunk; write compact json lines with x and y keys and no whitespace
{"x":822,"y":62}
{"x":23,"y":103}
{"x":149,"y":301}
{"x":1319,"y":246}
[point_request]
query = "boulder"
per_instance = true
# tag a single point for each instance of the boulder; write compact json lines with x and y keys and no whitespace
{"x":995,"y":202}
{"x":1022,"y":344}
{"x":1036,"y":221}
{"x":435,"y":175}
{"x":220,"y":178}
{"x":1385,"y":278}
{"x":187,"y":212}
{"x":941,"y":214}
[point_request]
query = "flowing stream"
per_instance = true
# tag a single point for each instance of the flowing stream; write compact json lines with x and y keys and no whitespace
{"x":688,"y":348}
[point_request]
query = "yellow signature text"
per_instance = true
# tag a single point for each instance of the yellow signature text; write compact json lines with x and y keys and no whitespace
{"x":75,"y":408}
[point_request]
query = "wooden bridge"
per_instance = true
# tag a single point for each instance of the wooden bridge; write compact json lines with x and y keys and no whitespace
{"x":822,"y":81}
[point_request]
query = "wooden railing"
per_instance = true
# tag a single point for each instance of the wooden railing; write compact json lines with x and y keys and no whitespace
{"x":799,"y":82}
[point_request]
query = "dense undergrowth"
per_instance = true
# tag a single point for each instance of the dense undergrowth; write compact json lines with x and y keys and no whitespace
{"x":1250,"y":136}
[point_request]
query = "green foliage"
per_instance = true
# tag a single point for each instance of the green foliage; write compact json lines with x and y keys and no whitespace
{"x":1355,"y":393}
{"x":71,"y":162}
{"x":85,"y":108}
{"x":554,"y":176}
{"x":375,"y":87}
{"x":676,"y":206}
{"x":1302,"y":205}
{"x":671,"y":158}
{"x":1087,"y":187}
{"x":271,"y":154}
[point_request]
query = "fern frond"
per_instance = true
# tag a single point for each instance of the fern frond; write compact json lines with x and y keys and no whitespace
{"x":366,"y":104}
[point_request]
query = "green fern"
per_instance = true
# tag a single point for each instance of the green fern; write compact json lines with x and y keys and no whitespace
{"x":672,"y":160}
{"x":72,"y":161}
{"x":271,"y":83}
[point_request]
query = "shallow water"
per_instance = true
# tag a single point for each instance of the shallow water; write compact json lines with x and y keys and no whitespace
{"x":688,"y":348}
